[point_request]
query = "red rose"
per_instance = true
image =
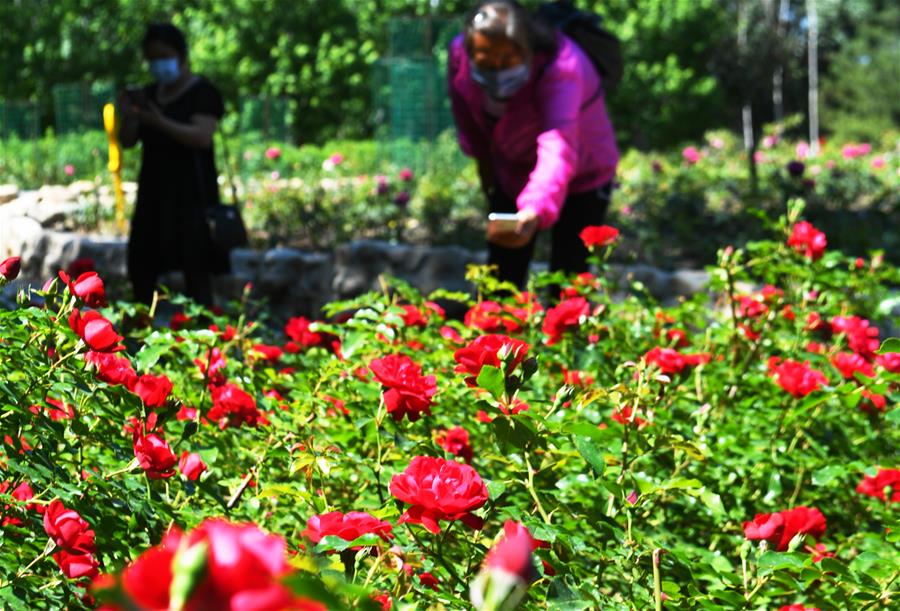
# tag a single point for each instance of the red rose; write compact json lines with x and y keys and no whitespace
{"x":779,"y":528}
{"x":10,"y":267}
{"x":455,"y":441}
{"x":191,"y":466}
{"x":68,"y":529}
{"x":212,"y":366}
{"x":22,"y":492}
{"x":567,"y":315}
{"x":153,"y":390}
{"x":872,"y":403}
{"x":513,"y":553}
{"x":890,"y":361}
{"x":112,"y":369}
{"x":849,"y":363}
{"x":349,"y":526}
{"x":808,"y":241}
{"x":76,"y":566}
{"x":80,"y":266}
{"x":179,"y":320}
{"x":493,"y":350}
{"x":154,"y":455}
{"x":862,"y":337}
{"x":595,"y":236}
{"x":414,"y":317}
{"x":451,"y":335}
{"x":267,"y":353}
{"x":491,"y":317}
{"x":88,"y":287}
{"x":298,"y":330}
{"x":885,"y":479}
{"x":750,"y":307}
{"x":438,"y":490}
{"x":428,"y":580}
{"x":407,"y":391}
{"x":233,"y":407}
{"x":799,"y":379}
{"x":797,"y":607}
{"x":384,"y":599}
{"x":97,"y":332}
{"x":625,"y":415}
{"x":243,"y":570}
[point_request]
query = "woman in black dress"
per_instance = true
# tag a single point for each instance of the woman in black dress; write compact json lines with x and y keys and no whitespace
{"x":175,"y":119}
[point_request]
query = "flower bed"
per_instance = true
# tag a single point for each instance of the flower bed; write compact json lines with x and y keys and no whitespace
{"x":735,"y":451}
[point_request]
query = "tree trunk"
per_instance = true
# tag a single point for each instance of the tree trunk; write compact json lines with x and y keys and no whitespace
{"x":778,"y":74}
{"x":813,"y":67}
{"x":747,"y":108}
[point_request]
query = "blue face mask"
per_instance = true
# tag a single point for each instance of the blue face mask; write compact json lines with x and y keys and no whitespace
{"x":501,"y":84}
{"x":165,"y":71}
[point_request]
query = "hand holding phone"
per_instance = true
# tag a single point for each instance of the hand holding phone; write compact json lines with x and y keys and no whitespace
{"x":502,"y":222}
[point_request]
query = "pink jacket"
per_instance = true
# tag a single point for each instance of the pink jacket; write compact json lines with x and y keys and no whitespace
{"x":555,"y":136}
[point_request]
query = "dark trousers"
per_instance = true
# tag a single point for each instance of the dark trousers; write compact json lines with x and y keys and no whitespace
{"x":567,"y":252}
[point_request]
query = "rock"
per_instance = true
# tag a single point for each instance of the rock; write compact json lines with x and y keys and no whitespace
{"x":55,"y":193}
{"x":80,"y":187}
{"x":688,"y":282}
{"x":657,"y":282}
{"x":8,"y":193}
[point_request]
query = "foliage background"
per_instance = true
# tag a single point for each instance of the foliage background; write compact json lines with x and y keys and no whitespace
{"x":685,"y":71}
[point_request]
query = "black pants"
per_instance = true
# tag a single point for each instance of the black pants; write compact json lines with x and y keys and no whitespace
{"x":567,"y":253}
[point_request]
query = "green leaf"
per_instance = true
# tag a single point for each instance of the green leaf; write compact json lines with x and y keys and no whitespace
{"x":590,"y":453}
{"x":333,"y":543}
{"x":713,"y":502}
{"x":826,"y":475}
{"x":891,"y":344}
{"x":770,"y":562}
{"x":492,"y":380}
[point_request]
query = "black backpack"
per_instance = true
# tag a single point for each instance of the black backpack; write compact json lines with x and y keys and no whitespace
{"x":585,"y":29}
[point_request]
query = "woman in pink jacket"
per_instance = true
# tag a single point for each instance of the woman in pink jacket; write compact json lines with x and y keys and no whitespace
{"x":529,"y":107}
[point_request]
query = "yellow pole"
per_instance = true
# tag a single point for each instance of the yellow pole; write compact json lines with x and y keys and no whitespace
{"x":111,"y":124}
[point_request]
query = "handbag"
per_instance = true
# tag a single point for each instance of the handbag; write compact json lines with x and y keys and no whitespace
{"x":226,"y":227}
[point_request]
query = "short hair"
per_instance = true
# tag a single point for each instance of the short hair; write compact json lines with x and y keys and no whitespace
{"x":509,"y":19}
{"x":167,"y":34}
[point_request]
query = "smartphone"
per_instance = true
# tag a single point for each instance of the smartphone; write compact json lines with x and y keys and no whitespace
{"x":503,"y":222}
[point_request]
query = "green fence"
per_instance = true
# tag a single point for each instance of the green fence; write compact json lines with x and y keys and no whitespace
{"x":409,"y":89}
{"x":19,"y":120}
{"x":79,"y":106}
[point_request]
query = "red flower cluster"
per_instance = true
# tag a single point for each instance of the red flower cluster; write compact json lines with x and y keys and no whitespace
{"x":808,"y":241}
{"x":154,"y":454}
{"x":75,"y":539}
{"x":563,"y":317}
{"x":797,"y":378}
{"x":455,"y":441}
{"x":491,"y":317}
{"x":233,"y":407}
{"x":670,"y":361}
{"x":348,"y":526}
{"x":890,"y":361}
{"x":595,"y":236}
{"x":498,"y":351}
{"x":849,"y":363}
{"x":797,"y":607}
{"x":626,"y":415}
{"x":439,"y":489}
{"x":303,"y":338}
{"x":97,"y":332}
{"x":779,"y":528}
{"x":88,"y":287}
{"x":22,"y":492}
{"x":885,"y":479}
{"x":407,"y":392}
{"x":862,"y":337}
{"x":243,"y":568}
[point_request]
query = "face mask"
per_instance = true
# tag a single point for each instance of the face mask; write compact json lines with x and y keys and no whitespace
{"x":165,"y":71}
{"x":501,"y":84}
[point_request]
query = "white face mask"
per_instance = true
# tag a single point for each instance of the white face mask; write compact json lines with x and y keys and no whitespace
{"x":501,"y":84}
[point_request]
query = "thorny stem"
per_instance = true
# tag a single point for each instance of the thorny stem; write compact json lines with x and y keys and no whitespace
{"x":657,"y":580}
{"x":530,"y":485}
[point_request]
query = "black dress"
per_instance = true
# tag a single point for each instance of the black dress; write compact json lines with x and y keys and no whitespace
{"x":176,"y":183}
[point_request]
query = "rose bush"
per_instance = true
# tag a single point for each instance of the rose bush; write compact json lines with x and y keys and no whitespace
{"x":734,"y":450}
